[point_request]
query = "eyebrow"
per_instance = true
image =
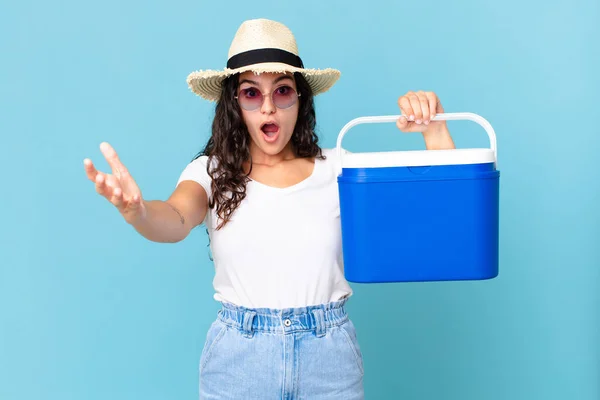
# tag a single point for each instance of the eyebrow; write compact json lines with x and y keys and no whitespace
{"x":274,"y":82}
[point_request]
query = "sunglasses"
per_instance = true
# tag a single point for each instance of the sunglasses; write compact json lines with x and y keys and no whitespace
{"x":251,"y":98}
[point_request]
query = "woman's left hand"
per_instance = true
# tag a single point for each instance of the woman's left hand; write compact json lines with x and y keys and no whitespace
{"x":418,"y":109}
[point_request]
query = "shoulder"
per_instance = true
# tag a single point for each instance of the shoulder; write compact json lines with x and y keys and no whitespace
{"x":200,"y":163}
{"x":197,"y":171}
{"x":331,"y":155}
{"x":197,"y":166}
{"x":333,"y":151}
{"x":332,"y":162}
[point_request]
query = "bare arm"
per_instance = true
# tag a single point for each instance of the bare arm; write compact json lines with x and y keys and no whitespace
{"x":159,"y":221}
{"x":438,"y":138}
{"x":172,"y":220}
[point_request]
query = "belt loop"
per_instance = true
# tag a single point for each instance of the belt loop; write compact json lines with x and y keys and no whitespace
{"x":319,"y":322}
{"x":247,"y":320}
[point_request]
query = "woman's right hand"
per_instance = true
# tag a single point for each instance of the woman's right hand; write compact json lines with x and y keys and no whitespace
{"x":119,"y":187}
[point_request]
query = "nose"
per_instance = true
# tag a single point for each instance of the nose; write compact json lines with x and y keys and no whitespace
{"x":267,"y":106}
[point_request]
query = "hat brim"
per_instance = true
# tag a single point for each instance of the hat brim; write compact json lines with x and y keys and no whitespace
{"x":207,"y":84}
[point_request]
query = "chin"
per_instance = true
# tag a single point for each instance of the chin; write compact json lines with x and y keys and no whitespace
{"x":274,"y":147}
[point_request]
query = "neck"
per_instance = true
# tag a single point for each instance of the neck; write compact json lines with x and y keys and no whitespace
{"x":260,"y":157}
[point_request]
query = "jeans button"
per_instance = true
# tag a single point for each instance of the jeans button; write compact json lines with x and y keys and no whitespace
{"x":287,"y":322}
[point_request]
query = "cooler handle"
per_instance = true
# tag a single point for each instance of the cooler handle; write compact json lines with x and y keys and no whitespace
{"x":439,"y":117}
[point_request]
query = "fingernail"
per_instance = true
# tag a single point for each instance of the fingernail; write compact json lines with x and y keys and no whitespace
{"x":427,"y":122}
{"x":418,"y":122}
{"x":412,"y":118}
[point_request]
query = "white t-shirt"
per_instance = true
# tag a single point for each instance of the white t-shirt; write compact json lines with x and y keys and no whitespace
{"x":282,"y":247}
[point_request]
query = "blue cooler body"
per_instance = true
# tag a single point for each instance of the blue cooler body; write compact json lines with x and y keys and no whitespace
{"x":429,"y":215}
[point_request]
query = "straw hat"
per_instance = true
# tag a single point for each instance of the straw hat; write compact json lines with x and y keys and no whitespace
{"x":261,"y":45}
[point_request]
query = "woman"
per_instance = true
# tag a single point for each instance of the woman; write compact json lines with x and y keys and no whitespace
{"x":267,"y":194}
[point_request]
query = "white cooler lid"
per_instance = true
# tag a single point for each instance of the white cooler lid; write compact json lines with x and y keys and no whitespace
{"x":416,"y":158}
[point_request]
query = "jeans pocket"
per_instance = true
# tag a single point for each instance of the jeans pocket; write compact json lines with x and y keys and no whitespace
{"x":349,"y":332}
{"x":214,"y":335}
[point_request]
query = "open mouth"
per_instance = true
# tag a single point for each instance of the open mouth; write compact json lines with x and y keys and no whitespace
{"x":270,"y":131}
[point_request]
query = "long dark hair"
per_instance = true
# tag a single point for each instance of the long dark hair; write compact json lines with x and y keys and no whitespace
{"x":229,"y":145}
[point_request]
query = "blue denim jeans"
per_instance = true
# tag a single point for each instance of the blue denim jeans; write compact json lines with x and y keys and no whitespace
{"x":296,"y":353}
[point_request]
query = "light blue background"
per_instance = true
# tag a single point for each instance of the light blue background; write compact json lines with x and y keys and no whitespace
{"x":91,"y":310}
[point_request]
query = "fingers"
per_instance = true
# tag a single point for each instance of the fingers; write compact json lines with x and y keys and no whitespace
{"x":134,"y":204}
{"x":406,"y":107}
{"x":113,"y":160}
{"x":133,"y":209}
{"x":424,"y":106}
{"x":111,"y":181}
{"x":402,"y":123}
{"x":90,"y":170}
{"x":110,"y":186}
{"x":417,"y":109}
{"x":114,"y":194}
{"x":106,"y":185}
{"x":419,"y":106}
{"x":432,"y":99}
{"x":117,"y":198}
{"x":411,"y":112}
{"x":100,"y":183}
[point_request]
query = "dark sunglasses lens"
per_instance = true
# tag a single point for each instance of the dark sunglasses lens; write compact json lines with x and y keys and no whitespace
{"x":250,"y":98}
{"x":284,"y":97}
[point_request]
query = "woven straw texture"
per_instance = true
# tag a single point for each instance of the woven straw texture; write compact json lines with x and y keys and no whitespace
{"x":257,"y":34}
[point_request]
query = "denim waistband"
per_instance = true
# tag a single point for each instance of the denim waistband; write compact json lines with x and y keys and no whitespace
{"x":287,"y":320}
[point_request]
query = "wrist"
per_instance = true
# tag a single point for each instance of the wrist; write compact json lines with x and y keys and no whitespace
{"x":437,"y":137}
{"x":138,"y":219}
{"x":435,"y":129}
